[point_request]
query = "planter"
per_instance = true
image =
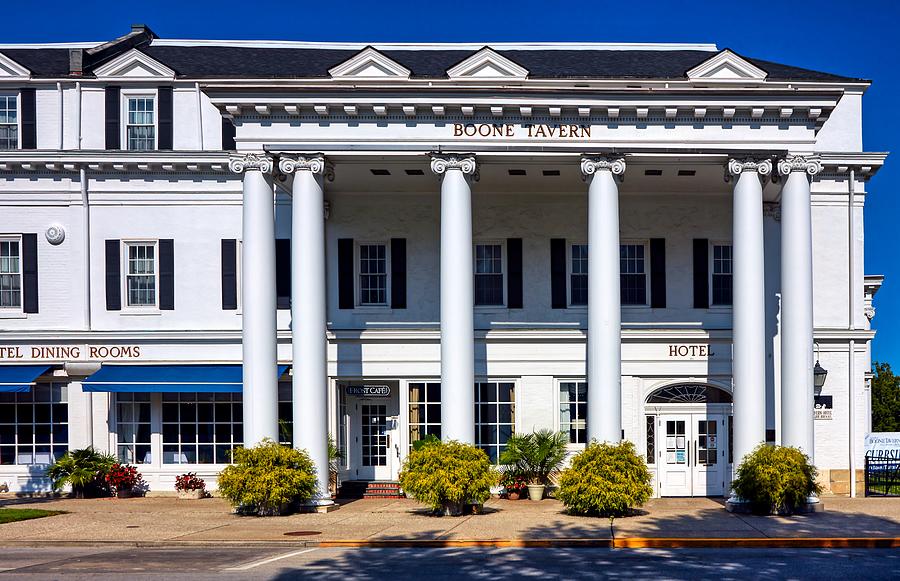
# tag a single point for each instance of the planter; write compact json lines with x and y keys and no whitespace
{"x":191,"y":494}
{"x":453,"y":509}
{"x":535,"y":491}
{"x":124,"y":493}
{"x":512,"y":495}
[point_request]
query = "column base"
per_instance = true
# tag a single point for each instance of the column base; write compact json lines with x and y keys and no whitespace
{"x":319,"y":505}
{"x":738,"y":505}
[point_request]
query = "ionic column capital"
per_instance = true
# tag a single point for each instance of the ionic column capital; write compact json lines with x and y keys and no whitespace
{"x":250,"y":161}
{"x":592,"y":164}
{"x":808,"y":164}
{"x":762,"y":166}
{"x":315,"y":163}
{"x":464,"y":162}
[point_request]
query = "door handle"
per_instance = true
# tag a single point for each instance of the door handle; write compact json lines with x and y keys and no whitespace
{"x":696,"y":454}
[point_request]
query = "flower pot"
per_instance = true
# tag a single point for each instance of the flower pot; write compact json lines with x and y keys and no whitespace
{"x":512,"y":495}
{"x":191,"y":494}
{"x":453,"y":509}
{"x":535,"y":491}
{"x":124,"y":493}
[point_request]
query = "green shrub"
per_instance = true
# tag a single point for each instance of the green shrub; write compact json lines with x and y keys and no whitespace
{"x":447,"y":475}
{"x":537,"y":456}
{"x":268,"y":477}
{"x":605,"y":480}
{"x":84,"y":470}
{"x":775,"y":479}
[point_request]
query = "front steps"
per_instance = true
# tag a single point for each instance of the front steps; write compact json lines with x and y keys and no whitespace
{"x":356,"y":489}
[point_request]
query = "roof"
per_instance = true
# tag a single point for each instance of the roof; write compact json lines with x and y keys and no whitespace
{"x":268,"y":59}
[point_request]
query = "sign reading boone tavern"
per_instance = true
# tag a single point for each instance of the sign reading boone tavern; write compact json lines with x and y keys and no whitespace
{"x":526,"y":130}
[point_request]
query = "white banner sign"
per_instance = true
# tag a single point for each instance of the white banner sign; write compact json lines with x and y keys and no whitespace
{"x":883,"y":445}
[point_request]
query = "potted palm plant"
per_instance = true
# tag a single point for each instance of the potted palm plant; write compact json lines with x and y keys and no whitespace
{"x":84,"y":470}
{"x":538,"y":456}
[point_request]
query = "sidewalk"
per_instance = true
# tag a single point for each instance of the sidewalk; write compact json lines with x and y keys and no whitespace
{"x":405,"y":522}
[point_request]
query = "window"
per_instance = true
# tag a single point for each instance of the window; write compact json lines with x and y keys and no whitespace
{"x":372,"y":274}
{"x":201,"y":428}
{"x":424,"y":411}
{"x":651,"y":439}
{"x":141,"y":283}
{"x":573,"y":410}
{"x":133,"y":428}
{"x":578,"y":276}
{"x":140,"y":124}
{"x":285,"y":413}
{"x":488,"y":275}
{"x":10,"y":274}
{"x":9,"y":122}
{"x":722,"y":277}
{"x":34,"y":425}
{"x":495,"y":416}
{"x":633,"y":268}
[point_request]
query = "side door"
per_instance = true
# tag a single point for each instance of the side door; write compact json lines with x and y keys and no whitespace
{"x":675,"y":455}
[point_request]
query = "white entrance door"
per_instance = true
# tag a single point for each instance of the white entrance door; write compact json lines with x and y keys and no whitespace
{"x":709,"y":454}
{"x":692,"y":454}
{"x":374,"y":446}
{"x":676,"y":477}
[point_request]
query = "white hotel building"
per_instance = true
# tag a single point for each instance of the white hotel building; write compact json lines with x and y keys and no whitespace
{"x":653,"y":242}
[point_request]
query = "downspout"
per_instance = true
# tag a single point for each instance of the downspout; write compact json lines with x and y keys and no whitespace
{"x":852,"y":327}
{"x":78,"y":115}
{"x":199,"y":117}
{"x":86,"y":225}
{"x":62,"y":122}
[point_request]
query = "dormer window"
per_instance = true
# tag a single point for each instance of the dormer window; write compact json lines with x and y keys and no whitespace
{"x":140,"y":123}
{"x":9,"y":122}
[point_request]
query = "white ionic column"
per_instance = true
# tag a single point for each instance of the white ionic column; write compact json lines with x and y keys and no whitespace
{"x":749,"y":314}
{"x":604,"y":343}
{"x":457,"y":290}
{"x":309,"y":345}
{"x":797,"y":397}
{"x":259,"y":340}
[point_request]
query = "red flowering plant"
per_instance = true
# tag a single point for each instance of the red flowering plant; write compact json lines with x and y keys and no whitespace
{"x":123,"y":478}
{"x":189,"y":481}
{"x":513,"y":482}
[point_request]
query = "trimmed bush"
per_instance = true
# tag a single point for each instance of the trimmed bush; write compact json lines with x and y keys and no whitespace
{"x":84,"y":470}
{"x":775,"y":479}
{"x":448,"y":475}
{"x":605,"y":480}
{"x":267,"y":478}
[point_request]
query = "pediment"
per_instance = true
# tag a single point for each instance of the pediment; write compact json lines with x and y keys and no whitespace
{"x":727,"y":65}
{"x":369,"y":64}
{"x":134,"y":65}
{"x":487,"y":64}
{"x":10,"y":69}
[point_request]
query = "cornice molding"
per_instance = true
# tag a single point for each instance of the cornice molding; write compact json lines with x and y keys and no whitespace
{"x":251,"y":162}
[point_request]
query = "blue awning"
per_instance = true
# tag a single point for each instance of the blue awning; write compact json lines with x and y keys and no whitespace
{"x":20,"y":378}
{"x":169,"y":378}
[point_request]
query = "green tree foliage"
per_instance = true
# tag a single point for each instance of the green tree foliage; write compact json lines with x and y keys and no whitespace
{"x":775,"y":479}
{"x":268,"y":477}
{"x":885,"y":399}
{"x":605,"y":480}
{"x":537,"y":456}
{"x":447,"y":474}
{"x":84,"y":470}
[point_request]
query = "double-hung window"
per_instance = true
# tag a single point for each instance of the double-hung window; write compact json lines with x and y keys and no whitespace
{"x":141,"y":280}
{"x":578,"y":275}
{"x":495,"y":416}
{"x":9,"y":122}
{"x":424,"y":410}
{"x":489,"y":274}
{"x":140,"y":123}
{"x":573,"y":410}
{"x":633,"y":278}
{"x":373,"y":277}
{"x":722,"y":275}
{"x":10,"y":273}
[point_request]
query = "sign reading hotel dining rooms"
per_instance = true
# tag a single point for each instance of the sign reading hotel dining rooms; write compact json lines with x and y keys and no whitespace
{"x":526,"y":130}
{"x":69,"y":352}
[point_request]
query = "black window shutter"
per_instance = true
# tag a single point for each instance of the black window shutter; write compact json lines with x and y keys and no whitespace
{"x":514,"y":290}
{"x":167,"y":275}
{"x":701,"y":273}
{"x":346,"y":297}
{"x":29,"y":273}
{"x":398,"y":273}
{"x":228,"y":134}
{"x":658,"y":273}
{"x":166,"y":121}
{"x":113,"y":118}
{"x":229,"y":274}
{"x":283,"y":273}
{"x":29,"y":118}
{"x":113,"y":276}
{"x":558,"y":273}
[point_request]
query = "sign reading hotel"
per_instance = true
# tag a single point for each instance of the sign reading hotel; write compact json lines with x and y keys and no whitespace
{"x":690,"y":351}
{"x":531,"y":131}
{"x":68,"y":352}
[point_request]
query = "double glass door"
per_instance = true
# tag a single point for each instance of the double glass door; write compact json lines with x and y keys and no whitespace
{"x":692,"y":455}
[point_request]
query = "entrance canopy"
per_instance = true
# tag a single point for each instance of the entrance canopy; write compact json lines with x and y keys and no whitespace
{"x":689,"y":393}
{"x":169,"y":378}
{"x":20,"y":378}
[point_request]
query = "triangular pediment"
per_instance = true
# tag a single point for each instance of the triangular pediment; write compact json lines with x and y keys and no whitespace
{"x":132,"y":65}
{"x":487,"y":64}
{"x":10,"y":69}
{"x":369,"y":64}
{"x":726,"y":65}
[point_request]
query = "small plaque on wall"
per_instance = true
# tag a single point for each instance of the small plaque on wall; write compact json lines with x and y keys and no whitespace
{"x":823,"y":408}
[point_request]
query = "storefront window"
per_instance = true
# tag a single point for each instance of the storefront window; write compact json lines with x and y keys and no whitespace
{"x":424,"y":411}
{"x":133,"y":428}
{"x":495,"y":416}
{"x":201,"y":428}
{"x":34,"y":426}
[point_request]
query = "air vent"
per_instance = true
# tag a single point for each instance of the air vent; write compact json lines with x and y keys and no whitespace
{"x":380,"y":172}
{"x":551,"y":172}
{"x":517,"y":172}
{"x":415,"y":172}
{"x":652,"y":172}
{"x":687,"y":172}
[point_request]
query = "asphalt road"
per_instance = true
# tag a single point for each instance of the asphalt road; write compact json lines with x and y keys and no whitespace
{"x":199,"y":563}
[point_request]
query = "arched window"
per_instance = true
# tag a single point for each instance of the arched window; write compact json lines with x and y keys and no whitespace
{"x":689,"y":393}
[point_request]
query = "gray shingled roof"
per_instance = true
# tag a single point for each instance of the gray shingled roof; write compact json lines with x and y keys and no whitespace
{"x":241,"y":62}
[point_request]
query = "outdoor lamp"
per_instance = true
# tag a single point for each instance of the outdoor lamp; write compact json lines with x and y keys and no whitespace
{"x":819,"y":375}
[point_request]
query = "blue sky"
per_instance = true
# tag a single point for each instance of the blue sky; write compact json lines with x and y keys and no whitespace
{"x":857,"y":39}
